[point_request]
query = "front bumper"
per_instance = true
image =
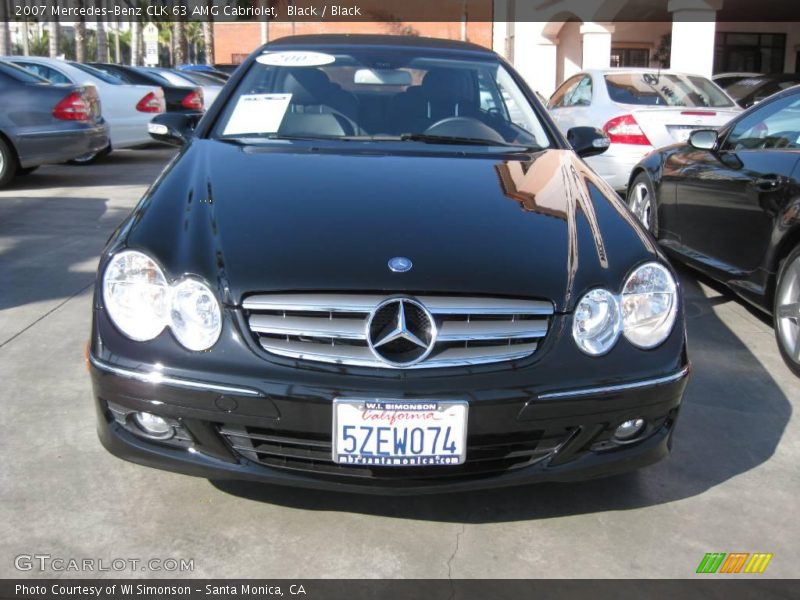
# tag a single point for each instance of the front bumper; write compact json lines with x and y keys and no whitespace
{"x":258,"y":433}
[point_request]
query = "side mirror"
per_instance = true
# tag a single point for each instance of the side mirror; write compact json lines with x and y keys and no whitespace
{"x":703,"y":139}
{"x":588,"y":141}
{"x":173,"y":128}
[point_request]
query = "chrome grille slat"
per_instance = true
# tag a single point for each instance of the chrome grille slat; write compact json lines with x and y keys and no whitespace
{"x":332,"y":328}
{"x":490,"y":330}
{"x":348,"y":329}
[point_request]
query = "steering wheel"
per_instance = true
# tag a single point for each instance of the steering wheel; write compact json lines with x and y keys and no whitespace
{"x":464,"y":127}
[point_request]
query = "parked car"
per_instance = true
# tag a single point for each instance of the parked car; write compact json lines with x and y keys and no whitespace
{"x":425,"y":296}
{"x":727,"y":204}
{"x":178,"y":98}
{"x":210,"y":90}
{"x":127,"y":108}
{"x":228,"y":68}
{"x":207,"y":69}
{"x":639,"y":109}
{"x":43,"y":123}
{"x":752,"y":90}
{"x":725,"y":80}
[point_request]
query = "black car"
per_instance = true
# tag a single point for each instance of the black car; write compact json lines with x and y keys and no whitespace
{"x":377,"y":266}
{"x":185,"y":99}
{"x":752,"y":90}
{"x":728,"y":203}
{"x":42,"y":123}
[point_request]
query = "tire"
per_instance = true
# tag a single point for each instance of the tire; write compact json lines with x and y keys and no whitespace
{"x":786,"y":310}
{"x":26,"y":171}
{"x":642,"y":202}
{"x":8,"y":163}
{"x":88,"y":159}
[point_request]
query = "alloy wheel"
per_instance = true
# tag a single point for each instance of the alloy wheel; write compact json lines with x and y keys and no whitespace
{"x":787,"y":310}
{"x":641,"y":204}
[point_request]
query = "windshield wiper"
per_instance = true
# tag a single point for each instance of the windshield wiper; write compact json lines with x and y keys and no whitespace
{"x":243,"y":137}
{"x":464,"y":141}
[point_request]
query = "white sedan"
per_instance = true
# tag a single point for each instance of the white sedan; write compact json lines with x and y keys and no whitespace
{"x":640,"y":110}
{"x":127,"y":108}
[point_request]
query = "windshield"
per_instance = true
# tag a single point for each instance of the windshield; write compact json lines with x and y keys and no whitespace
{"x":381,"y":93}
{"x":665,"y":89}
{"x":760,"y":87}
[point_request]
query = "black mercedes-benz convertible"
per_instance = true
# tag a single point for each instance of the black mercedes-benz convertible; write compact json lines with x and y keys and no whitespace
{"x":376,"y":265}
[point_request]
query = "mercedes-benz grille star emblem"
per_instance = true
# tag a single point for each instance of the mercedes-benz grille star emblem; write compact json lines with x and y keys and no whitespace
{"x":401,"y":332}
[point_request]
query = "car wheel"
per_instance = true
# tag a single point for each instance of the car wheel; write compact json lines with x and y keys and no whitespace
{"x":642,"y":202}
{"x":787,"y":310}
{"x":85,"y":159}
{"x":26,"y":171}
{"x":8,"y":163}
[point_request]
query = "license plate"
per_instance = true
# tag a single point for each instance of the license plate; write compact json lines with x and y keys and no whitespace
{"x":399,"y":433}
{"x":681,"y":133}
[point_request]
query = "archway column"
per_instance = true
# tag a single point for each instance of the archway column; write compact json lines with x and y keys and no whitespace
{"x":693,"y":34}
{"x":535,"y":56}
{"x":596,"y":45}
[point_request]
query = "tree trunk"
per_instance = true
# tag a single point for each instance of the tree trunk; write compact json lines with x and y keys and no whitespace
{"x":135,"y":54}
{"x":26,"y":46}
{"x":80,"y":36}
{"x":102,"y":40}
{"x":52,"y":36}
{"x":208,"y":40}
{"x":117,"y":49}
{"x":179,"y":36}
{"x":4,"y":41}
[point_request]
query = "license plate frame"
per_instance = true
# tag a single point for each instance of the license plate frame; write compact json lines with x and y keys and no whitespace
{"x":379,"y":412}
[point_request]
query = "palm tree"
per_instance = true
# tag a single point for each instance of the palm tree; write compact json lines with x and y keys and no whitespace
{"x":52,"y":35}
{"x":179,"y":37}
{"x":26,"y":42}
{"x":208,"y":41}
{"x":102,"y":40}
{"x":4,"y":41}
{"x":136,"y":55}
{"x":80,"y":35}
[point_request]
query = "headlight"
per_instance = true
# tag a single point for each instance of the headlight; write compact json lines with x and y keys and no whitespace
{"x":136,"y":295}
{"x":195,"y":316}
{"x":596,"y":325}
{"x":140,"y":302}
{"x":649,"y":305}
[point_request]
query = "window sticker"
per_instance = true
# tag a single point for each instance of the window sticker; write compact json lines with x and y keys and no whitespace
{"x":258,"y":113}
{"x":295,"y":58}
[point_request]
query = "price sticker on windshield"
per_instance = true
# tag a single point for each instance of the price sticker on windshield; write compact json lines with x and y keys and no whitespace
{"x":257,"y":113}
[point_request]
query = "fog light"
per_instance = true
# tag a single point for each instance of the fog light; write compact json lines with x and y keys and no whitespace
{"x":629,"y":430}
{"x":153,"y":425}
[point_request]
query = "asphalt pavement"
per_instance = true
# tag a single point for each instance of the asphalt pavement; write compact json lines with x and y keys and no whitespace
{"x":731,"y":484}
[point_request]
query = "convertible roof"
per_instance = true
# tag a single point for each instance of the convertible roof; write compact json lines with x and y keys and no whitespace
{"x":366,"y":40}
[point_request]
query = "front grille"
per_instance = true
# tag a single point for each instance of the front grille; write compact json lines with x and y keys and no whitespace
{"x":486,"y":454}
{"x":332,"y":328}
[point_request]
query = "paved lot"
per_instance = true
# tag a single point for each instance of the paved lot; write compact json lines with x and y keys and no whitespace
{"x":731,"y":484}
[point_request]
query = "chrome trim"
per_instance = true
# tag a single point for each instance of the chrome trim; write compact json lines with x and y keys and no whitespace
{"x":361,"y":356}
{"x":453,"y":305}
{"x":155,"y":376}
{"x":348,"y":329}
{"x":491,"y":330}
{"x":622,"y":387}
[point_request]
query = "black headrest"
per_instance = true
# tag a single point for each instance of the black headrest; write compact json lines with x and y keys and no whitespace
{"x":449,"y":84}
{"x":307,"y":86}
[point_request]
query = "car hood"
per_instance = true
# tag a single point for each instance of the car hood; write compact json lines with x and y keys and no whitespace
{"x":296,"y":217}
